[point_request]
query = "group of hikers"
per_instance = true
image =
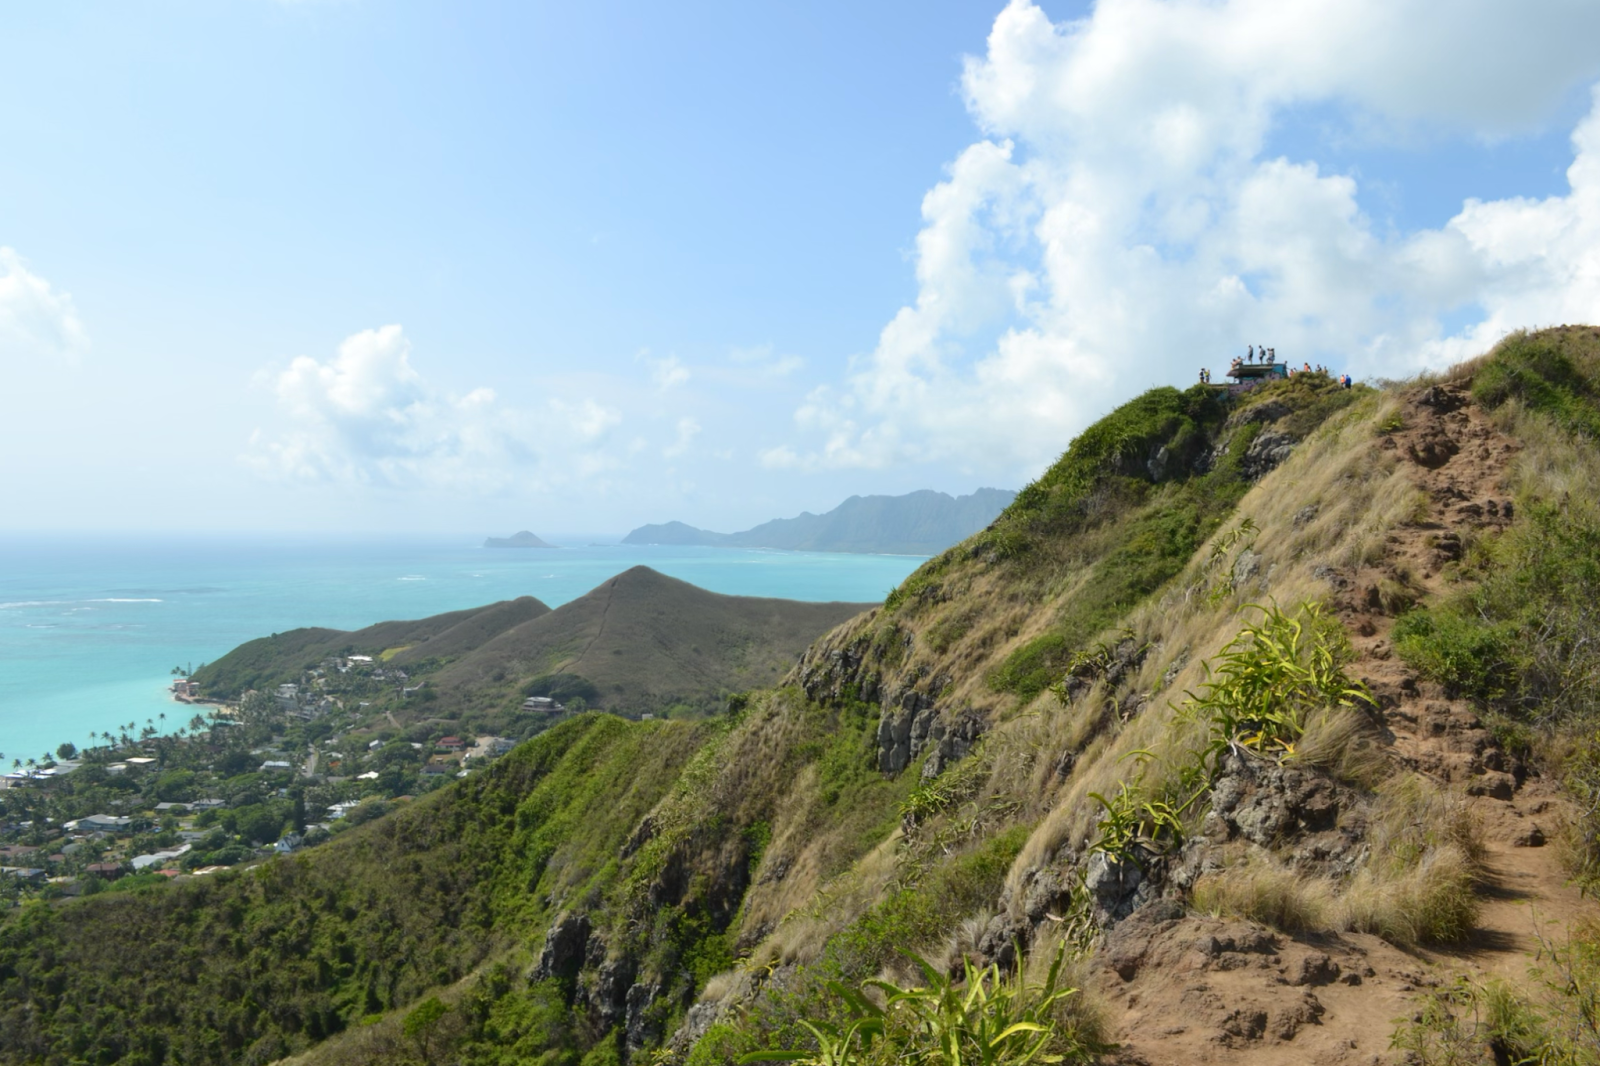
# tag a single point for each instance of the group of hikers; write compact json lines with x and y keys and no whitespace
{"x":1269,"y":357}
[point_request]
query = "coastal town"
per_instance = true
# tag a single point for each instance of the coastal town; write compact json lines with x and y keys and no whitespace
{"x":237,"y":784}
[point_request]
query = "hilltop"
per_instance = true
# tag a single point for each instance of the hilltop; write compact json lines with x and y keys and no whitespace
{"x":918,"y":523}
{"x":640,"y":642}
{"x":1268,"y":714}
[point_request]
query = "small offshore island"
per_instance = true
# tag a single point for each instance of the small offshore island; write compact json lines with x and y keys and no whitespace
{"x":523,"y":539}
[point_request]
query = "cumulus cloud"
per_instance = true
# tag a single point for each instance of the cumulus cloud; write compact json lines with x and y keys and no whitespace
{"x":368,"y":417}
{"x":1121,"y":223}
{"x":36,"y":320}
{"x":667,"y":373}
{"x":688,"y":430}
{"x":764,"y":358}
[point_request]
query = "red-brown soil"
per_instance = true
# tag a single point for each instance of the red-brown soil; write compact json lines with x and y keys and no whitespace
{"x":1192,"y":989}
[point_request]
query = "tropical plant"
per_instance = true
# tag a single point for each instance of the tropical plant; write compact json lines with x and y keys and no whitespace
{"x":984,"y":1018}
{"x":1136,"y":827}
{"x":1262,"y":687}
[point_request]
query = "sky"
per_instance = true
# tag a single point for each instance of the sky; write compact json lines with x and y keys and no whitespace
{"x":374,"y":265}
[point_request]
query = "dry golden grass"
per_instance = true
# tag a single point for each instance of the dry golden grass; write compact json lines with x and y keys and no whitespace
{"x":1417,"y":887}
{"x":1263,"y":891}
{"x":1346,"y":743}
{"x":1332,"y":503}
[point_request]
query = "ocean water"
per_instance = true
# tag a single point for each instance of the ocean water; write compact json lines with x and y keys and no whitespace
{"x":91,"y":629}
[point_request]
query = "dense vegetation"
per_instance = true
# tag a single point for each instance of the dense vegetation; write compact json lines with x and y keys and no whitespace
{"x":1130,"y":502}
{"x":248,"y":966}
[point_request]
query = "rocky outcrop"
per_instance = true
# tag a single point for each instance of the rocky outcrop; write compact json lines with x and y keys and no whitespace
{"x":564,"y":948}
{"x":642,"y":1026}
{"x":1266,"y":453}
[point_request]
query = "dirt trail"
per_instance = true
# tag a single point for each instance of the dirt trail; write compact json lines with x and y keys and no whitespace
{"x":1460,"y":461}
{"x":1193,"y":990}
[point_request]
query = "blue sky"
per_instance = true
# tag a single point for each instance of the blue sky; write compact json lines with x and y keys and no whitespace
{"x":350,"y":264}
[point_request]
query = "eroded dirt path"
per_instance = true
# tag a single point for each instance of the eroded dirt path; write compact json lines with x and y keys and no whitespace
{"x":1195,"y":990}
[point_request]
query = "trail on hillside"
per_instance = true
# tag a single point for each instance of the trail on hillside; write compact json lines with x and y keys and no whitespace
{"x":1190,"y":989}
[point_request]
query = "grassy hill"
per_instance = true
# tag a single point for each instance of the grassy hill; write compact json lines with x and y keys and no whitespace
{"x":641,"y":641}
{"x":1270,"y":713}
{"x":267,"y":662}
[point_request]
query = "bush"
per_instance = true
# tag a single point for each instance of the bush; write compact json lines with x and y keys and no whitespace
{"x":985,"y":1019}
{"x":1525,"y":639}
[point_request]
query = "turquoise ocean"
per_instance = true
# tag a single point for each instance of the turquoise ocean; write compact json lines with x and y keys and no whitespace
{"x":91,"y":629}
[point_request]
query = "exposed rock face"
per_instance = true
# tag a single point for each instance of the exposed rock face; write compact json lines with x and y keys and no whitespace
{"x":954,"y":742}
{"x":1267,"y":803}
{"x":642,"y":1028}
{"x":1270,"y":448}
{"x":608,"y":995}
{"x":903,"y":732}
{"x":564,"y":944}
{"x":1119,"y":886}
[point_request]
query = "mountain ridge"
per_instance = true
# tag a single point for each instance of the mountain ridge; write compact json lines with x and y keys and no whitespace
{"x":924,"y":522}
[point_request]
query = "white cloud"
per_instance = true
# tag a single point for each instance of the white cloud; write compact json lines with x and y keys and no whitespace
{"x":667,"y":373}
{"x":367,"y":417}
{"x":36,"y":320}
{"x":765,"y":359}
{"x":1121,"y":224}
{"x":688,"y":430}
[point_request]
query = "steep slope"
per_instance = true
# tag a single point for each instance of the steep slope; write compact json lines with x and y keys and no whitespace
{"x":918,"y":523}
{"x":641,"y":641}
{"x":247,"y":966}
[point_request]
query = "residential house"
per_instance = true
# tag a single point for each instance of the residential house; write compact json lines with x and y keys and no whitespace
{"x":97,"y":823}
{"x":160,"y":858}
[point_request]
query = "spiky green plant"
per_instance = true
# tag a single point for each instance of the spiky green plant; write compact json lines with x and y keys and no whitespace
{"x":984,"y":1018}
{"x":1262,"y":687}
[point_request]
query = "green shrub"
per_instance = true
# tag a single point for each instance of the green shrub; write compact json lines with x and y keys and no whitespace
{"x":1261,"y":689}
{"x":985,"y":1019}
{"x":1525,"y":639}
{"x":1534,"y":371}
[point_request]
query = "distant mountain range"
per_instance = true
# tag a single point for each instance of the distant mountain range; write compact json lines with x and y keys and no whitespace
{"x":517,"y":540}
{"x":641,"y":641}
{"x":918,"y":523}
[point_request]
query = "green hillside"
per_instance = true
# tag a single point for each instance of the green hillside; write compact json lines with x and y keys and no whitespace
{"x":269,"y":661}
{"x":641,"y":642}
{"x":1268,"y":713}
